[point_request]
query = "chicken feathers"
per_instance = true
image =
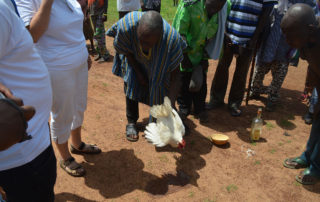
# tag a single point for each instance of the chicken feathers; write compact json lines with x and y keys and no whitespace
{"x":168,"y":128}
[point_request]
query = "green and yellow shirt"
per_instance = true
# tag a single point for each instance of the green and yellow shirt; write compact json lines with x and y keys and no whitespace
{"x":192,"y":22}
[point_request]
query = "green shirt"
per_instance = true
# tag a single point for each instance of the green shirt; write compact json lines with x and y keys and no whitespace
{"x":192,"y":22}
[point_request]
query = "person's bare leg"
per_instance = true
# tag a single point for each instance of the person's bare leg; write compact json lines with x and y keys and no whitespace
{"x":79,"y":147}
{"x":76,"y":137}
{"x":63,"y":150}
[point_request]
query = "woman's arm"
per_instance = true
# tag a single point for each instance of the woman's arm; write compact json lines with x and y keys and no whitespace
{"x":40,"y":21}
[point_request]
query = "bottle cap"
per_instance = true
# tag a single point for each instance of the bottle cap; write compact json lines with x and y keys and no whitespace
{"x":259,"y":110}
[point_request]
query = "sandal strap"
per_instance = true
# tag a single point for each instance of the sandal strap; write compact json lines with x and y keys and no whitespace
{"x":299,"y":161}
{"x":71,"y":163}
{"x":82,"y":145}
{"x":131,"y":129}
{"x":85,"y":147}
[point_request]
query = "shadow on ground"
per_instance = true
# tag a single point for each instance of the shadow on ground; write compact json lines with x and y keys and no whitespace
{"x":64,"y":197}
{"x":288,"y":108}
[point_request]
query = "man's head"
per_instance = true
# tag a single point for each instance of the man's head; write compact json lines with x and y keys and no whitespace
{"x":299,"y":25}
{"x":214,"y":6}
{"x":150,"y":29}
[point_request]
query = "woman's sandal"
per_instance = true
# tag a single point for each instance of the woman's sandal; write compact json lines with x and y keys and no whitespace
{"x":307,"y":178}
{"x":294,"y":163}
{"x":85,"y":149}
{"x":72,"y":167}
{"x":131,"y":132}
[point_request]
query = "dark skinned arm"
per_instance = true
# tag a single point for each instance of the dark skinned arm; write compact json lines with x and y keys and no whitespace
{"x":142,"y":3}
{"x":263,"y":19}
{"x":12,"y":124}
{"x":142,"y":79}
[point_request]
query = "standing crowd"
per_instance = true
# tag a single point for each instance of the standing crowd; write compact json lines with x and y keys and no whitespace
{"x":44,"y":73}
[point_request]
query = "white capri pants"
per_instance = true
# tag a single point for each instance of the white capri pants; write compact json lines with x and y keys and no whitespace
{"x":69,"y":90}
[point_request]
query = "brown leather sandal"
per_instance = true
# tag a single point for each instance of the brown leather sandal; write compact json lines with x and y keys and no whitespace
{"x":72,"y":167}
{"x":85,"y":149}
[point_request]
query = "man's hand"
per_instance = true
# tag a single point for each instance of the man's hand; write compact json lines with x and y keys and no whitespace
{"x":142,"y":78}
{"x":142,"y":4}
{"x":12,"y":124}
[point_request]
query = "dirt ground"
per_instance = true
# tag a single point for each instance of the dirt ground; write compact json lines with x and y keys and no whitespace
{"x":127,"y":171}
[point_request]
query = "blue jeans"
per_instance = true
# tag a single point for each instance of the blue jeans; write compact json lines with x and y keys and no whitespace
{"x":312,"y":154}
{"x":313,"y":100}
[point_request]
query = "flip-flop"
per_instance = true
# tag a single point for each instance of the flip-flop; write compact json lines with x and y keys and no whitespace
{"x":307,"y":178}
{"x":131,"y":132}
{"x":294,"y":163}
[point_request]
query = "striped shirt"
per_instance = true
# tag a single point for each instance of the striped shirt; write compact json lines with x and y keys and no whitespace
{"x":163,"y":58}
{"x":243,"y":19}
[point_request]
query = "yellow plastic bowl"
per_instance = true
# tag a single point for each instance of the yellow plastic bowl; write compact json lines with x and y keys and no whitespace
{"x":219,"y":139}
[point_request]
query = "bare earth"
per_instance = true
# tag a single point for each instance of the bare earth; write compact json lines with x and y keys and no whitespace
{"x":138,"y":171}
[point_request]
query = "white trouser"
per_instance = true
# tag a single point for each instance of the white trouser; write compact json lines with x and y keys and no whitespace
{"x":69,"y":89}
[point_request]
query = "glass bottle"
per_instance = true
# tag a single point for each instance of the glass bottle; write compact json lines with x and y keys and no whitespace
{"x":256,"y":126}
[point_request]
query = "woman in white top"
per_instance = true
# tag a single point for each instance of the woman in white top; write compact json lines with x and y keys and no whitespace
{"x":126,"y":6}
{"x":56,"y":28}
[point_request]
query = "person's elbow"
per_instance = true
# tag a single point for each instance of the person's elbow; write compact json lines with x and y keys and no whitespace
{"x":33,"y":34}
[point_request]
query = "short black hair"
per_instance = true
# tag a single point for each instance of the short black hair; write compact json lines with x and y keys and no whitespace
{"x":151,"y":22}
{"x":300,"y":15}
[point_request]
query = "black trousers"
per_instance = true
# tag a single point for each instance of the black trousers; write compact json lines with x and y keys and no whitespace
{"x":220,"y":80}
{"x":132,"y":110}
{"x":33,"y":181}
{"x":187,"y":98}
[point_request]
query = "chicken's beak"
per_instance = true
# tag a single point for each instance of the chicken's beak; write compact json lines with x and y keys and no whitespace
{"x":182,"y":144}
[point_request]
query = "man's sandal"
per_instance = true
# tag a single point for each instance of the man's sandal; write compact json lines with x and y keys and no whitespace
{"x":85,"y":149}
{"x":307,"y":178}
{"x":131,"y":132}
{"x":294,"y":163}
{"x":72,"y":167}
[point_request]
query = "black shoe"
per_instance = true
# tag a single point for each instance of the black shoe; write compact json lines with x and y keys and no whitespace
{"x":254,"y":96}
{"x":202,"y":116}
{"x":235,"y":111}
{"x":186,"y":129}
{"x":308,"y":118}
{"x":97,"y":57}
{"x":183,"y":116}
{"x":214,"y":105}
{"x":270,"y":106}
{"x":106,"y":57}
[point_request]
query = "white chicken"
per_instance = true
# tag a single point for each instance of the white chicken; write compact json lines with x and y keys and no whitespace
{"x":168,"y":128}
